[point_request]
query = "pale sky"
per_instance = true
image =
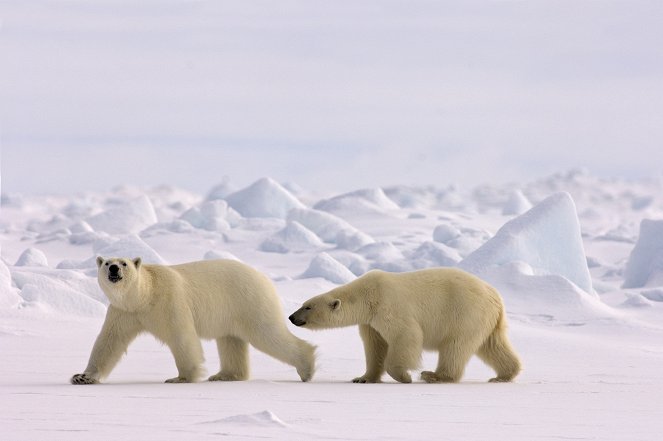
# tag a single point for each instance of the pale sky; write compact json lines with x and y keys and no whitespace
{"x":329,"y":95}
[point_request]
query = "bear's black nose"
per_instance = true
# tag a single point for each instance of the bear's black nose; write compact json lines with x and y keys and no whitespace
{"x":113,"y":269}
{"x":295,"y":321}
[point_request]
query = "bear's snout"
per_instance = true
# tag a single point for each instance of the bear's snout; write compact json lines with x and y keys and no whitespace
{"x":114,"y":273}
{"x":296,"y":321}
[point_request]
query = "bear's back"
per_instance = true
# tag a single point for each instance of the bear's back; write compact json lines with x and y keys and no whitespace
{"x":223,"y":277}
{"x":431,"y":290}
{"x":444,"y":301}
{"x":223,"y":293}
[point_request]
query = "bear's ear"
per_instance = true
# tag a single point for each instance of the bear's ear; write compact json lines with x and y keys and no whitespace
{"x":100,"y":261}
{"x":137,"y":262}
{"x":334,"y":305}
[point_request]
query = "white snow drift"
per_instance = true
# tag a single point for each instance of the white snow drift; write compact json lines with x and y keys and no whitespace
{"x":645,"y":264}
{"x":547,"y":238}
{"x":372,"y":200}
{"x":325,"y":266}
{"x":294,"y":237}
{"x":128,"y":217}
{"x":264,"y":198}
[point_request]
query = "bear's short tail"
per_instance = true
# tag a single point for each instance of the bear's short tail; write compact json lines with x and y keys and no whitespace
{"x":498,"y":353}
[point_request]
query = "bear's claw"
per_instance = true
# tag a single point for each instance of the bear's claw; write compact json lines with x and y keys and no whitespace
{"x":361,"y":380}
{"x":364,"y":379}
{"x":224,"y":376}
{"x":499,"y":380}
{"x":83,"y":379}
{"x":177,"y":380}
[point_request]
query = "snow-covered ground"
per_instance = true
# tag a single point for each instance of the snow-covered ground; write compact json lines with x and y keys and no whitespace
{"x":578,"y":259}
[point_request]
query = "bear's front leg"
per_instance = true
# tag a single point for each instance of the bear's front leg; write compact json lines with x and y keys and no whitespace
{"x":119,"y":329}
{"x":375,"y":350}
{"x":187,"y":351}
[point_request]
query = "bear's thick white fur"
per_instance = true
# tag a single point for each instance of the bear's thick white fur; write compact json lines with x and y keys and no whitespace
{"x":223,"y":300}
{"x":401,"y":314}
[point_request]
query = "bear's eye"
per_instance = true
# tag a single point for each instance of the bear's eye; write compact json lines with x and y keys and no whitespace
{"x":107,"y":263}
{"x":308,"y":308}
{"x":124,"y":263}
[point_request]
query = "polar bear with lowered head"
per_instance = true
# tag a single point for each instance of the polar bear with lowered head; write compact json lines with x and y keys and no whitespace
{"x":223,"y":300}
{"x":400,"y":314}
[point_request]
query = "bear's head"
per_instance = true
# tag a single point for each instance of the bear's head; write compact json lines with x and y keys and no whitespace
{"x":118,"y":278}
{"x":323,"y":311}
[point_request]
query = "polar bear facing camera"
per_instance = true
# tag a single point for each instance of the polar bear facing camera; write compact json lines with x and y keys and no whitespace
{"x":401,"y":314}
{"x":223,"y":300}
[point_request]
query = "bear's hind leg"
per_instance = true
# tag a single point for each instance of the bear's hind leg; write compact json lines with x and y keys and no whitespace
{"x":375,"y":349}
{"x":498,"y":353}
{"x":284,"y":346}
{"x":234,"y":355}
{"x":404,"y":352}
{"x":453,"y":357}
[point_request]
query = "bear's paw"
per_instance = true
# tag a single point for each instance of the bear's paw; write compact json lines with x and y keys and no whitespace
{"x":499,"y":380}
{"x":225,"y":376}
{"x":366,"y":379}
{"x":399,"y":374}
{"x":83,"y":379}
{"x":177,"y":380}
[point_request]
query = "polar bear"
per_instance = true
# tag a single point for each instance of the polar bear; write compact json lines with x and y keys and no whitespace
{"x":400,"y":314}
{"x":223,"y":300}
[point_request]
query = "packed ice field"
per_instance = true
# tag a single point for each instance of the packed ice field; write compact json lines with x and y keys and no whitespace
{"x":577,"y":259}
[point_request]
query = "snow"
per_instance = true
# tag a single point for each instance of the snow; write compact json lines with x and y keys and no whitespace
{"x":353,"y":239}
{"x":435,"y":254}
{"x":264,"y":418}
{"x":418,"y":101}
{"x":591,"y":348}
{"x":385,"y":256}
{"x":645,"y":264}
{"x":372,"y":200}
{"x":409,"y":197}
{"x":264,"y":198}
{"x":634,"y":300}
{"x":537,"y":261}
{"x":82,"y":233}
{"x":213,"y":215}
{"x":294,"y":237}
{"x":63,"y":291}
{"x":221,"y":191}
{"x":559,"y":266}
{"x":330,"y":228}
{"x":9,"y":297}
{"x":444,"y":233}
{"x":130,"y":217}
{"x":517,"y":204}
{"x":547,"y":238}
{"x":325,"y":266}
{"x":214,"y":255}
{"x":131,"y":245}
{"x":32,"y":257}
{"x":655,"y":295}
